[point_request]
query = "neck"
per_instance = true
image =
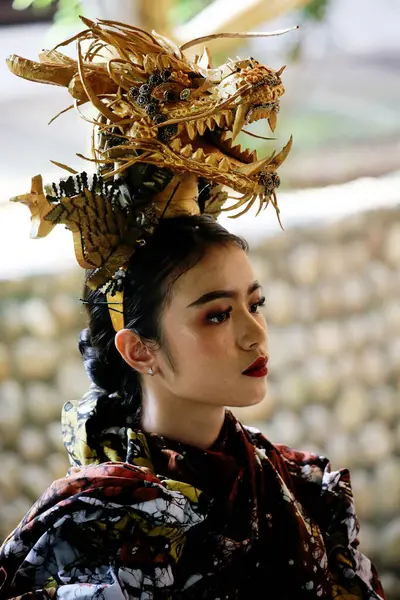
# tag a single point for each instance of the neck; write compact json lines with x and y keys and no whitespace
{"x":191,"y":423}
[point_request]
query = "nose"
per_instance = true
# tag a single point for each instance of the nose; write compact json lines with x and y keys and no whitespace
{"x":252,"y":331}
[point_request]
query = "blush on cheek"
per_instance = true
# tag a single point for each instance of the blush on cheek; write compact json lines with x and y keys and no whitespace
{"x":199,"y":337}
{"x":209,"y":346}
{"x":213,"y":343}
{"x":204,"y":339}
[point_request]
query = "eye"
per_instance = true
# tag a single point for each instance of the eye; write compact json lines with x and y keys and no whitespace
{"x":261,"y":302}
{"x":219,"y":317}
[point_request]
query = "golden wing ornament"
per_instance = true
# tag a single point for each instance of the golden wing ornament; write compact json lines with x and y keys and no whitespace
{"x":105,"y":227}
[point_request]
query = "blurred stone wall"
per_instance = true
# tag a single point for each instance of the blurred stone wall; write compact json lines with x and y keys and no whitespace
{"x":333,"y":310}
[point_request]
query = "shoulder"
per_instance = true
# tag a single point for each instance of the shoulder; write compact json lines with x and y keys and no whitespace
{"x":126,"y":483}
{"x":127,"y":495}
{"x":326,"y":497}
{"x":86,"y":519}
{"x":298,"y":463}
{"x":132,"y":498}
{"x":322,"y":490}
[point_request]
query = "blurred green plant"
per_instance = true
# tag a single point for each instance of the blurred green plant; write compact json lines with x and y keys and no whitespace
{"x":315,"y":10}
{"x":184,"y":10}
{"x":23,"y":4}
{"x":67,"y":11}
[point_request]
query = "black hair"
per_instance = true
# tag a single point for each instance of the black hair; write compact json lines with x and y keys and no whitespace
{"x":176,"y":246}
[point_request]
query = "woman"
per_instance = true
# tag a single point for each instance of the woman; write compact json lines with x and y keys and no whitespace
{"x":168,"y":495}
{"x":190,"y":503}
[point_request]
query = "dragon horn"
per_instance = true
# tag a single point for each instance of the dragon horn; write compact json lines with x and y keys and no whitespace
{"x":41,"y":72}
{"x":248,"y":34}
{"x":279,"y":73}
{"x":279,"y":158}
{"x":254,"y":167}
{"x":240,"y":119}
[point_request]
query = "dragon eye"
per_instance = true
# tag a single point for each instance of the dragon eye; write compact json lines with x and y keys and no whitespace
{"x":142,"y":100}
{"x":169,"y":96}
{"x":165,"y":74}
{"x":167,"y":132}
{"x":151,"y":108}
{"x":184,"y":95}
{"x":155,"y":79}
{"x":133,"y":93}
{"x":145,"y":89}
{"x":159,"y":118}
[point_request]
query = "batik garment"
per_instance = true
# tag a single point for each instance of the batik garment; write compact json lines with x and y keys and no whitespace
{"x":145,"y":517}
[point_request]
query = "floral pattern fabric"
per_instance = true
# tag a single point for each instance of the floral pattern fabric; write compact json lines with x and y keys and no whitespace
{"x":144,"y":517}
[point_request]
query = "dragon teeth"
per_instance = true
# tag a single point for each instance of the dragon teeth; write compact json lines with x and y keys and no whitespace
{"x":253,"y":156}
{"x":228,"y":117}
{"x":199,"y":155}
{"x":187,"y":151}
{"x":210,"y":123}
{"x":247,"y":154}
{"x":219,"y":119}
{"x":212,"y":160}
{"x":235,"y":150}
{"x":272,"y":120}
{"x":225,"y":135}
{"x":201,"y":127}
{"x":176,"y":145}
{"x":240,"y":118}
{"x":191,"y":129}
{"x":224,"y":164}
{"x":259,"y":114}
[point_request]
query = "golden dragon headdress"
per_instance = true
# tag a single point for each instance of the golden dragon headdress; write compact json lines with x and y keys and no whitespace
{"x":162,"y":144}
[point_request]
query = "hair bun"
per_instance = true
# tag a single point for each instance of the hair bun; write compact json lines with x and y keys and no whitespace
{"x":85,"y":341}
{"x":110,"y":408}
{"x":96,"y":369}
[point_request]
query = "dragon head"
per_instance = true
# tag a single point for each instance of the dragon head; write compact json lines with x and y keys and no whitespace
{"x":188,"y":123}
{"x":163,"y":140}
{"x":157,"y":107}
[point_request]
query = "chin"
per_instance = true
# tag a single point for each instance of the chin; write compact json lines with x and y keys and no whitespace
{"x":252,"y":396}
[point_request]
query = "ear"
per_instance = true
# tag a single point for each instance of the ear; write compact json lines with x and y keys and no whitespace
{"x":133,"y":350}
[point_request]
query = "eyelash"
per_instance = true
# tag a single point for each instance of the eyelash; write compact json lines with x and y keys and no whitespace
{"x":259,"y":303}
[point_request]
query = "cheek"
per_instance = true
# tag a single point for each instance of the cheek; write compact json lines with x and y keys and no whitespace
{"x":210,"y":345}
{"x":204,"y":341}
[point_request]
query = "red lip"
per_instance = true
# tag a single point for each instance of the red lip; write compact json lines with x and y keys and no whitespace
{"x":260,"y":363}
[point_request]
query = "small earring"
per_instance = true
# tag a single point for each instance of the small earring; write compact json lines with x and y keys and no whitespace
{"x":150,"y":371}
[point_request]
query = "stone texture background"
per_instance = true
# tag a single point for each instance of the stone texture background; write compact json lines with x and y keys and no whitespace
{"x":334,"y":324}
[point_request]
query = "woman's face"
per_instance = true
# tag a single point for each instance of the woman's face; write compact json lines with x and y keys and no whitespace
{"x":214,"y":329}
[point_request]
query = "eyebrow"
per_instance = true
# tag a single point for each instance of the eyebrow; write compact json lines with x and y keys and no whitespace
{"x":216,"y":294}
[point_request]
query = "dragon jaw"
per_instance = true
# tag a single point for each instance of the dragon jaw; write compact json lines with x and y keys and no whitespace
{"x":198,"y":136}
